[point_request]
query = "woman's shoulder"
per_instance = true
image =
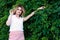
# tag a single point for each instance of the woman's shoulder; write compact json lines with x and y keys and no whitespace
{"x":13,"y":16}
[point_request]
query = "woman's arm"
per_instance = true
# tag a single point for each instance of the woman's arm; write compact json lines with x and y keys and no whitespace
{"x":8,"y":22}
{"x":30,"y":15}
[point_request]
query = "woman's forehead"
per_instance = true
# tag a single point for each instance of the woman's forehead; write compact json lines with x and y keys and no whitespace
{"x":19,"y":7}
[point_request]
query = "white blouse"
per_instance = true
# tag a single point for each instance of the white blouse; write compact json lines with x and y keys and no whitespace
{"x":16,"y":23}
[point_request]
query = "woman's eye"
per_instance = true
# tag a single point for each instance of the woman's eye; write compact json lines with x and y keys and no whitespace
{"x":20,"y":9}
{"x":17,"y":9}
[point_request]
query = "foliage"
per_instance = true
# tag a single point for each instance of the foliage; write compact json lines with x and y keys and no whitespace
{"x":44,"y":25}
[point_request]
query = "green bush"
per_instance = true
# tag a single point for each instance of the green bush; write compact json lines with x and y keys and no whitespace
{"x":44,"y":25}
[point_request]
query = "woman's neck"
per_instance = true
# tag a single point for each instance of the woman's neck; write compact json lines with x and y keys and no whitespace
{"x":17,"y":15}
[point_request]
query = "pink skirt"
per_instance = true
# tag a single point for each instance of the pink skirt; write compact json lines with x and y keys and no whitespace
{"x":16,"y":35}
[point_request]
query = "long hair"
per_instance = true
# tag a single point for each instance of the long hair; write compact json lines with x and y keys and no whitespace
{"x":15,"y":8}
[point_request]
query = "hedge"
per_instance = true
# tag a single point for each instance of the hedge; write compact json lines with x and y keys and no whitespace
{"x":44,"y":25}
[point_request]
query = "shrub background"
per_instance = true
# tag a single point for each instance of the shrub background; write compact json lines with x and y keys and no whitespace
{"x":44,"y":25}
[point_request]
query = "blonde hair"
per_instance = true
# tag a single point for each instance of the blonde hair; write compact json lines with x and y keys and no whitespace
{"x":15,"y":8}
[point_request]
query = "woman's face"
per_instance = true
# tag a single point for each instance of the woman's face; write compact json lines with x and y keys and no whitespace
{"x":19,"y":11}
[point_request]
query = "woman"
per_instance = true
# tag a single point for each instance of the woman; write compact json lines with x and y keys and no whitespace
{"x":15,"y":21}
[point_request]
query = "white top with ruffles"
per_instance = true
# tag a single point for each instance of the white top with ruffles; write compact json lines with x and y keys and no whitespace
{"x":16,"y":23}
